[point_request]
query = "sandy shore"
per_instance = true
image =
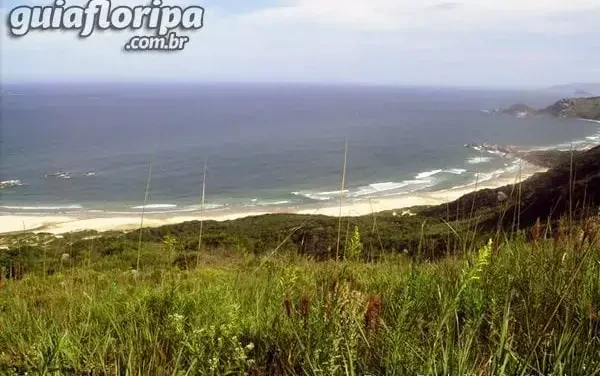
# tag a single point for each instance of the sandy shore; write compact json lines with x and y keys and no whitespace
{"x":591,"y":121}
{"x":60,"y":224}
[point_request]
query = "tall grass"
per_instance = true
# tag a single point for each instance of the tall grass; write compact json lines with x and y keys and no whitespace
{"x":202,"y":212}
{"x":519,"y":307}
{"x":146,"y":192}
{"x":343,"y":186}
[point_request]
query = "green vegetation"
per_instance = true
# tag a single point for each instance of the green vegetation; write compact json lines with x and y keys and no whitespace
{"x":586,"y":108}
{"x":513,"y":306}
{"x":479,"y":286}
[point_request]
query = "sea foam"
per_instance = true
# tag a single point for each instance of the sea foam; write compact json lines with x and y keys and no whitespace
{"x":477,"y":160}
{"x":427,"y":174}
{"x":155,"y":206}
{"x":66,"y":207}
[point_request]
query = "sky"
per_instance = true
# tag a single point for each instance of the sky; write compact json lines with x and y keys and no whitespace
{"x":496,"y":43}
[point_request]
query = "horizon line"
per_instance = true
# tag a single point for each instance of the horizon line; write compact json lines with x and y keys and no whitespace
{"x":185,"y":82}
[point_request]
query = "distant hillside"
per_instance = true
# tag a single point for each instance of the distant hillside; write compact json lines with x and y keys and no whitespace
{"x":520,"y":109}
{"x":583,"y":93}
{"x":578,"y":89}
{"x":586,"y":108}
{"x":548,"y":158}
{"x":545,"y":195}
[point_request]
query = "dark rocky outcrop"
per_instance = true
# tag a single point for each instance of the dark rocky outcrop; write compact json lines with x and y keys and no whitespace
{"x":520,"y":110}
{"x":585,"y":108}
{"x":503,"y":150}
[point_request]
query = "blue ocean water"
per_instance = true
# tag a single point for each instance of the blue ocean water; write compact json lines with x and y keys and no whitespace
{"x":265,"y":144}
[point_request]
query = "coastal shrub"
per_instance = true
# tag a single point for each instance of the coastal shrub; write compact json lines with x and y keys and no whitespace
{"x":354,"y":251}
{"x":509,"y":307}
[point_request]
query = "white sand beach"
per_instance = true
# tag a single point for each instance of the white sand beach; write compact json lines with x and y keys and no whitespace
{"x":60,"y":224}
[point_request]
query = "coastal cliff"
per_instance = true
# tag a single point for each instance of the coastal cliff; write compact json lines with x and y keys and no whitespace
{"x":583,"y":108}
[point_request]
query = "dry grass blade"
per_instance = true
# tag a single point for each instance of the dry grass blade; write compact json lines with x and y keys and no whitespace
{"x":201,"y":213}
{"x":337,"y":250}
{"x":146,"y":191}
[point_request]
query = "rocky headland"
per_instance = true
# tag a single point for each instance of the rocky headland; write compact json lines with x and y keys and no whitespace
{"x":582,"y":108}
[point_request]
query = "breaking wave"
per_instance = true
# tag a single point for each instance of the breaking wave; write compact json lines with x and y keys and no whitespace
{"x":478,"y":160}
{"x":155,"y":206}
{"x":42,"y":208}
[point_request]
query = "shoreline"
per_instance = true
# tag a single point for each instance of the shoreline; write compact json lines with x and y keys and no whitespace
{"x":72,"y":222}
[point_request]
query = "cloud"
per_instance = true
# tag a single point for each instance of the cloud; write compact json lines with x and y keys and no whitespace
{"x":405,"y":15}
{"x":446,"y":6}
{"x":379,"y":41}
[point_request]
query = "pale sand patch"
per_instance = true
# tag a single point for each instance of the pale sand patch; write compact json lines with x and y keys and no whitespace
{"x":78,"y":222}
{"x":14,"y":223}
{"x":60,"y":224}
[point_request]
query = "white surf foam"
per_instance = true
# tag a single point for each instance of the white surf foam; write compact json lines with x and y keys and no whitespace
{"x":11,"y":182}
{"x":155,"y":206}
{"x":496,"y":152}
{"x":378,"y":188}
{"x":319,"y":196}
{"x":168,"y":209}
{"x":483,"y":177}
{"x":66,"y":207}
{"x":591,"y":121}
{"x":478,"y":160}
{"x":206,"y":207}
{"x":427,"y":174}
{"x":456,"y":171}
{"x":312,"y":196}
{"x":393,"y":188}
{"x":331,"y":193}
{"x":273,"y":203}
{"x":486,"y":176}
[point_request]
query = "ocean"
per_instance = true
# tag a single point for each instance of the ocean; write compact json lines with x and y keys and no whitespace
{"x":88,"y":147}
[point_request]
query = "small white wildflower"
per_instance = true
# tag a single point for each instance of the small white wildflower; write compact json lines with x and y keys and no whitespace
{"x":177,"y":317}
{"x":250,"y":346}
{"x":213,"y":363}
{"x":502,"y":196}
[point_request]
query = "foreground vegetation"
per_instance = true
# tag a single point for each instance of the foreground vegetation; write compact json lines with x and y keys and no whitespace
{"x":520,"y":306}
{"x":476,"y":287}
